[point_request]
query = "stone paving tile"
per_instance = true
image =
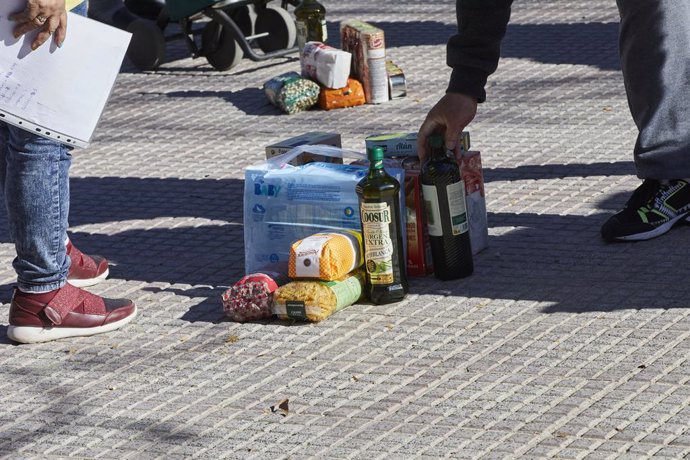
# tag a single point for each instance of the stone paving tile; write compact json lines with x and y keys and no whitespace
{"x":558,"y":346}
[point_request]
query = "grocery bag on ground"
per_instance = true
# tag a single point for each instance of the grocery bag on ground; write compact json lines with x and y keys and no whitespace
{"x":291,"y":92}
{"x":325,"y":64}
{"x":285,"y":203}
{"x":251,"y":298}
{"x":349,"y":96}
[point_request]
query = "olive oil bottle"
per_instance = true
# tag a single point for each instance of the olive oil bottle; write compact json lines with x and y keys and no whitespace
{"x":446,"y":210}
{"x":311,"y":23}
{"x":379,"y":206}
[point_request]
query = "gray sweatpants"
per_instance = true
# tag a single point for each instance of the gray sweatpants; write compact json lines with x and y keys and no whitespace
{"x":655,"y":56}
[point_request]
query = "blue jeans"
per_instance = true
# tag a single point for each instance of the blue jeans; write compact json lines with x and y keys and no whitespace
{"x":34,"y":175}
{"x":655,"y":57}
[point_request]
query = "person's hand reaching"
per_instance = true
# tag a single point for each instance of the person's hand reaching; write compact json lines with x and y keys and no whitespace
{"x":451,"y":114}
{"x":49,"y":16}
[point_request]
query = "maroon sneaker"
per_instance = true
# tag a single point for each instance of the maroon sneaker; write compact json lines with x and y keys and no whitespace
{"x":84,"y":270}
{"x":65,"y":312}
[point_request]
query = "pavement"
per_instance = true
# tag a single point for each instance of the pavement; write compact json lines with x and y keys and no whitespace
{"x":558,"y":346}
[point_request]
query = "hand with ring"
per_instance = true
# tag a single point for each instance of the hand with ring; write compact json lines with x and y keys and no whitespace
{"x":49,"y":16}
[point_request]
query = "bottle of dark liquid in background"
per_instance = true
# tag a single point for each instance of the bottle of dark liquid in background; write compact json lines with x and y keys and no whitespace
{"x":379,"y":207}
{"x":311,"y":23}
{"x":444,"y":200}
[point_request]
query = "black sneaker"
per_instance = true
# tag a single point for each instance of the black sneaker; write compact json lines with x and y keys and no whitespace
{"x":651,"y":211}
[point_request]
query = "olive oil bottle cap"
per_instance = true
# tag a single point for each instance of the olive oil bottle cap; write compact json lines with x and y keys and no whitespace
{"x":375,"y":154}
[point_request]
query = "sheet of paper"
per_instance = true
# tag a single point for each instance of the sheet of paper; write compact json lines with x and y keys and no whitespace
{"x":58,"y":92}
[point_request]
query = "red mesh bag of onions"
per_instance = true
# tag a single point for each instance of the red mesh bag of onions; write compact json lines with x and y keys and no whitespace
{"x":250,"y":298}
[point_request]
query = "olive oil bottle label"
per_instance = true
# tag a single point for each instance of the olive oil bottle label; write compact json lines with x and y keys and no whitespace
{"x":319,"y":33}
{"x":302,"y":31}
{"x":378,"y":245}
{"x":456,"y":207}
{"x":324,"y":31}
{"x":433,"y":211}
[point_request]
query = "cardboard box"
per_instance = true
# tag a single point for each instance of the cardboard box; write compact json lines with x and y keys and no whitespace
{"x":475,"y":198}
{"x":367,"y":45}
{"x":310,"y":138}
{"x":325,"y":64}
{"x":405,"y":144}
{"x":419,"y":261}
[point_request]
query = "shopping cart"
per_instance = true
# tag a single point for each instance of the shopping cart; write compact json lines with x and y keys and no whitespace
{"x":228,"y":30}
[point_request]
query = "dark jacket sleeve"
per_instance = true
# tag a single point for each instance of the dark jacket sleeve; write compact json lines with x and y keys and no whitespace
{"x":474,"y":52}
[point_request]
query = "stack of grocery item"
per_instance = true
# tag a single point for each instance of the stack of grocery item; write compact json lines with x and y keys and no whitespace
{"x":324,"y":277}
{"x":334,"y":78}
{"x":325,"y":269}
{"x":308,"y":218}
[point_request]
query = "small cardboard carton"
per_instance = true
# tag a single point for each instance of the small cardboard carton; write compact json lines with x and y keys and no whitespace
{"x":419,"y":261}
{"x":475,"y":198}
{"x":405,"y":144}
{"x":367,"y":45}
{"x":325,"y":64}
{"x":310,"y":138}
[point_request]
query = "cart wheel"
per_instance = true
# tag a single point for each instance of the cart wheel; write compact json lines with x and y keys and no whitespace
{"x":280,"y":26}
{"x":244,"y":17}
{"x":219,"y":47}
{"x":147,"y":47}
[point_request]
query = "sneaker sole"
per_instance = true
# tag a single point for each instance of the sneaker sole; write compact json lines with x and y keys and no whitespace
{"x":82,"y":283}
{"x":660,"y":230}
{"x":28,"y":334}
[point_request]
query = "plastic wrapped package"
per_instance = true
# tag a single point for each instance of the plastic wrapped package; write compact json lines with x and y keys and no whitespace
{"x":251,"y":298}
{"x":317,"y":300}
{"x":349,"y":96}
{"x":325,"y":64}
{"x":285,"y":203}
{"x":326,"y":256}
{"x":291,"y":92}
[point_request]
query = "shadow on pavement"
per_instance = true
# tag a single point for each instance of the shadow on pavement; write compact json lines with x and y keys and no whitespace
{"x":63,"y":407}
{"x":593,"y":43}
{"x":548,"y":257}
{"x":562,"y":261}
{"x":4,"y":340}
{"x":244,"y":99}
{"x":556,"y":171}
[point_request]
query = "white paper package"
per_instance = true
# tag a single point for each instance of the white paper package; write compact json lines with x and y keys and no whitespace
{"x":325,"y":64}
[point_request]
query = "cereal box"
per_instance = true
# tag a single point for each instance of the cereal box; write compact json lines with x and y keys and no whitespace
{"x":419,"y":261}
{"x":405,"y":144}
{"x":310,"y":138}
{"x":367,"y":45}
{"x":471,"y":171}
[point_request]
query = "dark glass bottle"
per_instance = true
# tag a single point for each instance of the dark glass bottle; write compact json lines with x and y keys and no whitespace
{"x":446,"y":210}
{"x":311,"y":23}
{"x":379,"y":208}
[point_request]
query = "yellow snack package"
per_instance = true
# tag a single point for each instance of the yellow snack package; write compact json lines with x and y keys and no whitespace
{"x":326,"y":256}
{"x":317,"y":300}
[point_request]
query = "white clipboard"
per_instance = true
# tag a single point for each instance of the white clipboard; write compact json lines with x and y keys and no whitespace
{"x":58,"y":92}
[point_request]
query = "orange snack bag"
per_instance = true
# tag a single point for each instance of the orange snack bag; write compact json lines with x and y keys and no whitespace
{"x":349,"y":96}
